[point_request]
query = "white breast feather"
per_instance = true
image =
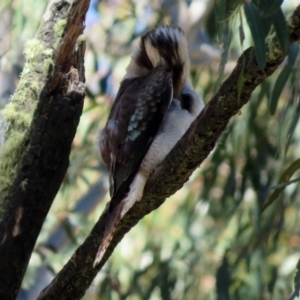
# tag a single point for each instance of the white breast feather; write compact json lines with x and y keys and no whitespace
{"x":175,"y":123}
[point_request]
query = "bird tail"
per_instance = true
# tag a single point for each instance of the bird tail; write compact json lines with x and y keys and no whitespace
{"x":110,"y":229}
{"x":118,"y":212}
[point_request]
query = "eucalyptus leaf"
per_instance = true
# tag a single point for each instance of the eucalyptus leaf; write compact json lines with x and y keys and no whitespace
{"x":220,"y":10}
{"x":284,"y":184}
{"x":293,"y":125}
{"x":255,"y":23}
{"x":296,"y":292}
{"x":281,"y":30}
{"x":269,"y":7}
{"x":241,"y":29}
{"x":227,"y":39}
{"x":285,"y":177}
{"x":220,"y":16}
{"x":267,"y":23}
{"x":293,"y":54}
{"x":278,"y":87}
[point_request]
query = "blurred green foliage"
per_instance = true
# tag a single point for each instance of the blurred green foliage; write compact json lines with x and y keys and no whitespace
{"x":224,"y":235}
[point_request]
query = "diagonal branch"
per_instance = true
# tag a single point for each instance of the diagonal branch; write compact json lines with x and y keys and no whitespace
{"x":189,"y":153}
{"x":41,"y":122}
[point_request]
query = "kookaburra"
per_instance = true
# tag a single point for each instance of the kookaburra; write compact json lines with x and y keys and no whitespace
{"x":154,"y":107}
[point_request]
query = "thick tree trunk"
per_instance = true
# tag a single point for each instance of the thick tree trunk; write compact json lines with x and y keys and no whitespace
{"x":41,"y":122}
{"x":193,"y":148}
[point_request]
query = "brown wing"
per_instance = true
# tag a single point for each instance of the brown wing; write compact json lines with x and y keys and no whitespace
{"x":133,"y":122}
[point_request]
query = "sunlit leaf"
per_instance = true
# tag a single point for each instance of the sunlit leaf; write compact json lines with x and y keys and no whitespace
{"x":255,"y":23}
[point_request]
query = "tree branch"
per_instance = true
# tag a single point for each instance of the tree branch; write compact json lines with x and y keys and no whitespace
{"x":41,"y":122}
{"x":77,"y":275}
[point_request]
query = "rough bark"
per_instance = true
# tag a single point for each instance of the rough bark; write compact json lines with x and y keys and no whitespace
{"x":191,"y":150}
{"x":41,"y":122}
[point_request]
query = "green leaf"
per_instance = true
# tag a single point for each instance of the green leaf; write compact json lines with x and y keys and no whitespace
{"x":284,"y":184}
{"x":69,"y":230}
{"x":268,"y":7}
{"x":90,"y":107}
{"x":220,"y":16}
{"x":85,"y":179}
{"x":255,"y":23}
{"x":278,"y":87}
{"x":220,"y":10}
{"x":223,"y":279}
{"x":296,"y":292}
{"x":293,"y":125}
{"x":282,"y":30}
{"x":267,"y":23}
{"x":285,"y":177}
{"x":293,"y":54}
{"x":241,"y":29}
{"x":227,"y":38}
{"x":294,"y":120}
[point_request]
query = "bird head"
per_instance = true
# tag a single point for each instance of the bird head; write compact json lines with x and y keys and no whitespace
{"x":166,"y":46}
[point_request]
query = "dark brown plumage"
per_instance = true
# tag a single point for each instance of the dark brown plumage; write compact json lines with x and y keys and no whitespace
{"x":132,"y":124}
